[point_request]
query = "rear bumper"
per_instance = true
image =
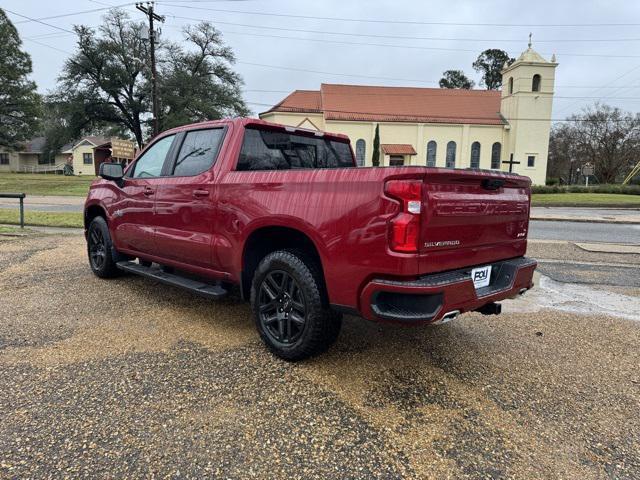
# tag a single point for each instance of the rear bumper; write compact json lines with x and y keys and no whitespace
{"x":428,"y":298}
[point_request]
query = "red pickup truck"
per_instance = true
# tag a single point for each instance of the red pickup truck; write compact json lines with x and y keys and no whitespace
{"x":284,"y":214}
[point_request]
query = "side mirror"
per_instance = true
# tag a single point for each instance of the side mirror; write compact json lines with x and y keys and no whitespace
{"x":112,"y":171}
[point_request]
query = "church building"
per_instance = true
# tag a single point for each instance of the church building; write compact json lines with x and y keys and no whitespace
{"x":439,"y":127}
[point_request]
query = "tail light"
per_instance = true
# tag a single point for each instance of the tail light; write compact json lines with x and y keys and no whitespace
{"x":404,"y":228}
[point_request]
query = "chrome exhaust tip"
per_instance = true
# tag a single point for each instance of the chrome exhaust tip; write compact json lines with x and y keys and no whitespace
{"x":447,"y":317}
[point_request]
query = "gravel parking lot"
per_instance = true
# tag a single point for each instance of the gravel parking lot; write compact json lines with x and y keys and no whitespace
{"x":127,"y":378}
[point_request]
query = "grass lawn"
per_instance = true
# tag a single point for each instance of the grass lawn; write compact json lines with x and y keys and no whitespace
{"x":47,"y":219}
{"x":44,"y":184}
{"x":13,"y":230}
{"x":585,"y":199}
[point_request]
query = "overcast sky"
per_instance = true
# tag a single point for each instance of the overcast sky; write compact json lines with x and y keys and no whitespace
{"x":598,"y":61}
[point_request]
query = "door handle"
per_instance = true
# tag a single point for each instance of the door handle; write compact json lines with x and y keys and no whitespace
{"x":148,"y":191}
{"x":200,"y":193}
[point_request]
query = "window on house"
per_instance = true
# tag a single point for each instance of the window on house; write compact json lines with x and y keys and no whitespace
{"x":535,"y":84}
{"x":510,"y":85}
{"x":277,"y":150}
{"x":475,"y":155}
{"x":198,"y":152}
{"x":531,"y":161}
{"x":360,"y":152}
{"x":432,"y":147}
{"x":4,"y":158}
{"x":87,"y":158}
{"x":451,"y":155}
{"x":396,"y":160}
{"x":496,"y":151}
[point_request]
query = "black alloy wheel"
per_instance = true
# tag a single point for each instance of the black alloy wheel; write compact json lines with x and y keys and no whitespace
{"x":100,"y":250}
{"x":97,"y":248}
{"x":282,"y":307}
{"x":290,"y":305}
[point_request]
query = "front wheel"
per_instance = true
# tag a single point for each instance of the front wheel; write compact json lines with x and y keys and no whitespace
{"x":287,"y":301}
{"x":100,"y":249}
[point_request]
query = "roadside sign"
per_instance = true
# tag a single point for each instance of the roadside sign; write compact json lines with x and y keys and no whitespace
{"x":122,"y":149}
{"x":587,"y":169}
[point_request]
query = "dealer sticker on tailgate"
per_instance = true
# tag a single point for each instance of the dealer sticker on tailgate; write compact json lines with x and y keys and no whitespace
{"x":481,"y":276}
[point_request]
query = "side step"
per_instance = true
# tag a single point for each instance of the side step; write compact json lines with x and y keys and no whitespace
{"x":203,"y":289}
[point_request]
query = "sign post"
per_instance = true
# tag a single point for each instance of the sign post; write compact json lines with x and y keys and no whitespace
{"x":587,"y":171}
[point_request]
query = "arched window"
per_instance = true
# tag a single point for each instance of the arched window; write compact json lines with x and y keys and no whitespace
{"x":496,"y":151}
{"x":510,"y":85}
{"x":451,"y":155}
{"x":475,"y":155}
{"x":431,"y":153}
{"x":535,"y":84}
{"x":360,"y":152}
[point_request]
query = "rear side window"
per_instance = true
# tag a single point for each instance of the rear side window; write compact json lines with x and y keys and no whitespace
{"x":151,"y":162}
{"x":198,"y":152}
{"x":273,"y":150}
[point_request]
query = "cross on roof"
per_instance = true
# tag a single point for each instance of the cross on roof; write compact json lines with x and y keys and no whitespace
{"x":530,"y":34}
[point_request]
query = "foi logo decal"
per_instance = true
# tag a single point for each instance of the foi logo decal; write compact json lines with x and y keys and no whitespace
{"x":480,"y":275}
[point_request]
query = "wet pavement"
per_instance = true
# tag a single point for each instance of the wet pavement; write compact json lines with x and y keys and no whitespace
{"x":585,"y":232}
{"x":128,"y":378}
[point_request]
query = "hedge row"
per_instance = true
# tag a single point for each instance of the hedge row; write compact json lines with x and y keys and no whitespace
{"x":623,"y":189}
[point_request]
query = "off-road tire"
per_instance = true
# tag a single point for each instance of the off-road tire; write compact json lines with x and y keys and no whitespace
{"x":98,"y":232}
{"x":321,"y":324}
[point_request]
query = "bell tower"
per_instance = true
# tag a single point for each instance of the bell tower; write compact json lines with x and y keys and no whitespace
{"x":526,"y":104}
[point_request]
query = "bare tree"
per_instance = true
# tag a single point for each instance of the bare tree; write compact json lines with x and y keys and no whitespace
{"x":602,"y":135}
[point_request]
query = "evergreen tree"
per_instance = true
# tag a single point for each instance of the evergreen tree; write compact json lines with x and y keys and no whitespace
{"x":375,"y":160}
{"x":455,"y":79}
{"x":19,"y":101}
{"x":490,"y":64}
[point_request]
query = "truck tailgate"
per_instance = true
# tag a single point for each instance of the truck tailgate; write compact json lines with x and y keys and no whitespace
{"x":472,"y":217}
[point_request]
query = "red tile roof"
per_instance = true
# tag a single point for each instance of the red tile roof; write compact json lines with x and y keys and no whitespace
{"x":396,"y":104}
{"x":398,"y":149}
{"x":306,"y":101}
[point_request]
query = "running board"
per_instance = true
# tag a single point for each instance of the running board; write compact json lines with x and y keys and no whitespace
{"x":155,"y":273}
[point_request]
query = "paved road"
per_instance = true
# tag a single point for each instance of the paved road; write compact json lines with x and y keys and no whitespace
{"x":585,"y":212}
{"x":46,"y":203}
{"x":44,"y":208}
{"x":585,"y":232}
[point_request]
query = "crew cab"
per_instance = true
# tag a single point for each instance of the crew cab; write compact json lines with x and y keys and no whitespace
{"x":284,"y":215}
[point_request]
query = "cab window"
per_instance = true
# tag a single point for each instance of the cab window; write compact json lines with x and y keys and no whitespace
{"x":276,"y":150}
{"x":198,"y":152}
{"x":151,"y":162}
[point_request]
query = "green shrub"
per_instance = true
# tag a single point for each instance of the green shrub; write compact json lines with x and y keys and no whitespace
{"x":605,"y":188}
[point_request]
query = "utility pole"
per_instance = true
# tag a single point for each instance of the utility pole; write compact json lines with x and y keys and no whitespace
{"x":148,"y":11}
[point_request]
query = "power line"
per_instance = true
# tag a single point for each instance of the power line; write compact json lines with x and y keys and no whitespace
{"x":269,"y":105}
{"x":601,"y":88}
{"x":38,"y":21}
{"x":405,"y":22}
{"x":48,"y":46}
{"x":405,"y":37}
{"x":338,"y":74}
{"x":71,"y":14}
{"x":404,"y":47}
